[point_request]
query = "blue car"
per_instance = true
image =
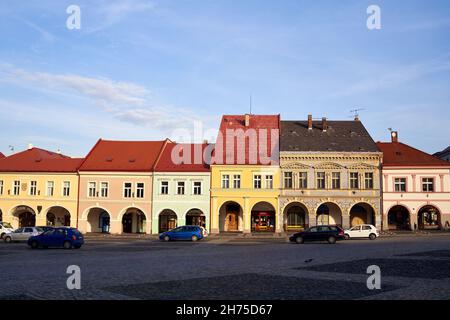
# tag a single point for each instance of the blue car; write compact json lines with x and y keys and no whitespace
{"x":192,"y":233}
{"x":64,"y":237}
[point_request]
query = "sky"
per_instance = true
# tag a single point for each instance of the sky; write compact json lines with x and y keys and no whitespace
{"x":151,"y":69}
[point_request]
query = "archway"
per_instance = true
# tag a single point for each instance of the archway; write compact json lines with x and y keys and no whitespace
{"x":167,"y":220}
{"x":58,"y":217}
{"x":98,"y":220}
{"x":362,"y":213}
{"x":329,"y":214}
{"x":133,"y":221}
{"x":429,"y":218}
{"x":230,"y":217}
{"x":295,"y":215}
{"x":399,"y":218}
{"x":195,"y":217}
{"x":263,"y":217}
{"x":25,"y":215}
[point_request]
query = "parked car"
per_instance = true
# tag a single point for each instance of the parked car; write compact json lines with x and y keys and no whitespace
{"x":362,"y":231}
{"x":5,"y":227}
{"x":46,"y":228}
{"x":192,"y":233}
{"x":319,"y":233}
{"x":204,"y":232}
{"x":22,"y":234}
{"x":64,"y":237}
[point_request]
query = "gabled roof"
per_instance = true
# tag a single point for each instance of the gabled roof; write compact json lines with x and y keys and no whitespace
{"x":136,"y":156}
{"x":253,"y":150}
{"x":185,"y":158}
{"x":2,"y":155}
{"x":39,"y":160}
{"x":401,"y":155}
{"x":340,"y":136}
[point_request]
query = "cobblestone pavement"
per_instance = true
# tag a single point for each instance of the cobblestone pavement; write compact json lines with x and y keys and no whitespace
{"x":227,"y":268}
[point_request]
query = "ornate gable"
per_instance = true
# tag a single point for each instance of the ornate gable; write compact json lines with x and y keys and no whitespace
{"x":329,"y":166}
{"x":295,"y":165}
{"x":362,"y":166}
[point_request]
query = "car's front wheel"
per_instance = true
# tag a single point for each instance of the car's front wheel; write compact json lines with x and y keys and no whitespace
{"x":372,"y":236}
{"x":34,"y":245}
{"x":8,"y":239}
{"x":299,"y":240}
{"x":167,"y":238}
{"x":2,"y":235}
{"x":67,"y":245}
{"x":194,"y":238}
{"x":331,"y":240}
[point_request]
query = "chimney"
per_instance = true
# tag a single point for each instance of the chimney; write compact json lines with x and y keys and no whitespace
{"x":247,"y":120}
{"x":58,"y":151}
{"x":309,"y":121}
{"x":30,"y":146}
{"x":324,"y":124}
{"x":394,"y":136}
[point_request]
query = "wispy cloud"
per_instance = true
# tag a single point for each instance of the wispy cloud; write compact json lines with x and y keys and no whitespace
{"x":45,"y":35}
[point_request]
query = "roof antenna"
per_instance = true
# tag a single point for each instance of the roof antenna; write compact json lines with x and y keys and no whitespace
{"x":356,"y":113}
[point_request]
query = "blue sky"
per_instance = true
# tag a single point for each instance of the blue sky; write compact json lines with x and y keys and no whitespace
{"x":142,"y":69}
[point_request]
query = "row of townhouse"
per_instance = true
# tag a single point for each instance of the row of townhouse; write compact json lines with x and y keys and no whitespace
{"x":262,"y":174}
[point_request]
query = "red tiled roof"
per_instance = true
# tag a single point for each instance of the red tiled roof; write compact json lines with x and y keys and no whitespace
{"x":402,"y":155}
{"x":2,"y":155}
{"x":245,"y":154}
{"x":39,"y":160}
{"x":123,"y":156}
{"x":187,"y":158}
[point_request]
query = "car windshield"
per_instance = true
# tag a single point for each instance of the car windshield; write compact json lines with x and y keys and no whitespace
{"x":48,"y":232}
{"x":39,"y":229}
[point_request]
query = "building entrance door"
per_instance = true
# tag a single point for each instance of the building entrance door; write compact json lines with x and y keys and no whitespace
{"x":231,"y":221}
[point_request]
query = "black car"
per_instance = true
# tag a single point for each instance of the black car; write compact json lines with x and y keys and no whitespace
{"x":319,"y":233}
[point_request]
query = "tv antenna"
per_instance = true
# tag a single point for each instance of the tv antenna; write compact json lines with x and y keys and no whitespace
{"x":356,"y":112}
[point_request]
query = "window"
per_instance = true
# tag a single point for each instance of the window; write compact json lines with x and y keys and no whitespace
{"x":257,"y":181}
{"x":180,"y":187}
{"x":104,"y":189}
{"x":66,"y":188}
{"x":225,"y":181}
{"x":427,"y":184}
{"x":33,"y":188}
{"x":197,"y":188}
{"x":237,"y":181}
{"x":336,"y":180}
{"x":92,"y":192}
{"x":320,"y":180}
{"x":354,"y":180}
{"x":1,"y":187}
{"x":140,"y":190}
{"x":303,"y":180}
{"x":368,"y":180}
{"x":400,"y":184}
{"x":50,"y":188}
{"x":16,"y":188}
{"x":164,"y":187}
{"x":127,"y":190}
{"x":269,"y":181}
{"x":288,"y":180}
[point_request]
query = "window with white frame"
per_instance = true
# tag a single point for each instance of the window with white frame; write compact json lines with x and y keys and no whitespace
{"x":288,"y":180}
{"x":164,"y":187}
{"x":104,"y":189}
{"x":303,"y":180}
{"x":427,"y":184}
{"x":197,"y":188}
{"x":400,"y":184}
{"x":237,"y":181}
{"x":368,"y":180}
{"x":354,"y":180}
{"x":50,"y":188}
{"x":92,"y":189}
{"x":181,"y":186}
{"x":140,"y":190}
{"x":127,"y":190}
{"x":225,"y":181}
{"x":1,"y":187}
{"x":269,"y":181}
{"x":257,"y":181}
{"x":16,"y":187}
{"x":33,"y":188}
{"x":336,"y":180}
{"x":320,"y":180}
{"x":66,"y":188}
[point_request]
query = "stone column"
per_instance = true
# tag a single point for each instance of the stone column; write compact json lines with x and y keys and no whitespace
{"x":246,"y":216}
{"x":312,"y":220}
{"x":345,"y":220}
{"x":214,"y":216}
{"x":115,"y":226}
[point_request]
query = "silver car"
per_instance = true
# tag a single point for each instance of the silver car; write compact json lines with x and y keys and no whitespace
{"x":22,"y":234}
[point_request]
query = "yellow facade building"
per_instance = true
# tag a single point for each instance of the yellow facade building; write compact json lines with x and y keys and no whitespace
{"x":245,"y":175}
{"x":38,"y":188}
